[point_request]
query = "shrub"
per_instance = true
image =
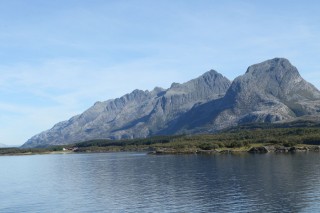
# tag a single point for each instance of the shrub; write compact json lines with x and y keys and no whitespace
{"x":208,"y":146}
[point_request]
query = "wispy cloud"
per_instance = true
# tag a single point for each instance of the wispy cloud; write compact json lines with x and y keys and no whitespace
{"x":67,"y":88}
{"x":58,"y":57}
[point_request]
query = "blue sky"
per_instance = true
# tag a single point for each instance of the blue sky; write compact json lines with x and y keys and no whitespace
{"x":59,"y":57}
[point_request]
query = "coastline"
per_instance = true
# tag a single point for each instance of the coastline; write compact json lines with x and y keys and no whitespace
{"x":253,"y":138}
{"x":254,"y":149}
{"x":158,"y":150}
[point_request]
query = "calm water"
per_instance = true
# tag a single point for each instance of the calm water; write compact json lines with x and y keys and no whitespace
{"x":135,"y":182}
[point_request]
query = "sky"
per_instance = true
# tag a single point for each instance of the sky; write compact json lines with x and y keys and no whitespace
{"x":58,"y":57}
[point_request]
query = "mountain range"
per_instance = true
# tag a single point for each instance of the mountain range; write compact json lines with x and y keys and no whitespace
{"x":271,"y":91}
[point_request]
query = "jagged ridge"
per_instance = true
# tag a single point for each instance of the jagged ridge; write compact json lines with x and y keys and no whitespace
{"x":135,"y":115}
{"x":270,"y":91}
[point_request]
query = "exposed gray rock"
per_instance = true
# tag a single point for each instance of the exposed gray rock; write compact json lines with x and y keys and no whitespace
{"x":298,"y":149}
{"x":271,"y":91}
{"x":135,"y":115}
{"x":281,"y":149}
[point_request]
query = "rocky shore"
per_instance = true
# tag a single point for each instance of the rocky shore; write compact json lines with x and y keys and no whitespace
{"x":253,"y":150}
{"x":283,"y":149}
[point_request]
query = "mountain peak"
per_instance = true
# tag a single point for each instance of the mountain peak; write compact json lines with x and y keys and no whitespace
{"x":211,"y":72}
{"x":275,"y":65}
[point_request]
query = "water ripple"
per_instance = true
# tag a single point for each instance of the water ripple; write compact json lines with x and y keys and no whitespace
{"x":136,"y":182}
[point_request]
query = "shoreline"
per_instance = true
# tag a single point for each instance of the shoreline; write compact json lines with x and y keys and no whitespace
{"x":252,"y":149}
{"x":252,"y":138}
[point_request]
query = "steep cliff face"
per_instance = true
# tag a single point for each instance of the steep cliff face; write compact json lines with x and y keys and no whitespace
{"x":271,"y":91}
{"x":268,"y":92}
{"x":135,"y":115}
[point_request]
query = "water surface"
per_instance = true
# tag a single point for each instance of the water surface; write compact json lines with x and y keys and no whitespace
{"x":137,"y":182}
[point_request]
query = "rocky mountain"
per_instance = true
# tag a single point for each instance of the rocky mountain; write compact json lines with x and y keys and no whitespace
{"x":135,"y":115}
{"x":271,"y":91}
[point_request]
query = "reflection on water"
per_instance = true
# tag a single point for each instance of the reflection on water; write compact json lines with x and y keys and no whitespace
{"x":135,"y":182}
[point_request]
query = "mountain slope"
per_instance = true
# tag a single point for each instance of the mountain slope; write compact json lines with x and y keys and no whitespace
{"x":135,"y":115}
{"x":270,"y":91}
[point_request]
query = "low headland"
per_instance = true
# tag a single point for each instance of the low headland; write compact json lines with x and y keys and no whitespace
{"x":253,"y":138}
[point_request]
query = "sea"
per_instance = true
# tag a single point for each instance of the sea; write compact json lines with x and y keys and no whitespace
{"x":139,"y":182}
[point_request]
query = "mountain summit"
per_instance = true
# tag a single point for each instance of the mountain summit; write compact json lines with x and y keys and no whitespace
{"x":270,"y":91}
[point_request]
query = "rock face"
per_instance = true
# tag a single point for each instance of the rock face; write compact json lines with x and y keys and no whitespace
{"x":270,"y":91}
{"x":135,"y":115}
